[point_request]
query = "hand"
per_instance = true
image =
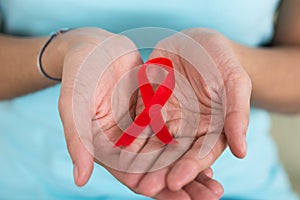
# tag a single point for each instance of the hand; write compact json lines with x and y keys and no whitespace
{"x":83,"y":116}
{"x":88,"y":54}
{"x":222,"y":90}
{"x":83,"y":158}
{"x":88,"y":59}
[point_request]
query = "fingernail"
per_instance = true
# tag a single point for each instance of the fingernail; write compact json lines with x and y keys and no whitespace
{"x":75,"y":173}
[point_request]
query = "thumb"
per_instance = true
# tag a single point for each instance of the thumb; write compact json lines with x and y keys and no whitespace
{"x":238,"y":93}
{"x":83,"y":160}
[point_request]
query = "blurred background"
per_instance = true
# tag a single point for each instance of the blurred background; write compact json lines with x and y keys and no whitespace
{"x":286,"y":132}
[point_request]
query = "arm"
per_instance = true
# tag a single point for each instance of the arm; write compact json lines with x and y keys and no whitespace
{"x":19,"y":73}
{"x":275,"y":71}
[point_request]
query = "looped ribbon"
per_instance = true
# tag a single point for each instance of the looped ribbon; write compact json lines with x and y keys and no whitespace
{"x":154,"y":102}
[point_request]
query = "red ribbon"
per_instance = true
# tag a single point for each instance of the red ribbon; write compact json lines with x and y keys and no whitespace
{"x":151,"y":115}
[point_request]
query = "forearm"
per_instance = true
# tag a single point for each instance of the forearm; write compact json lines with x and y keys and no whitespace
{"x":19,"y":73}
{"x":275,"y":75}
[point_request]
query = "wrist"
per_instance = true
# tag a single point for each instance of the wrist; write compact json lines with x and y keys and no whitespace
{"x":243,"y":54}
{"x":59,"y":46}
{"x":52,"y":58}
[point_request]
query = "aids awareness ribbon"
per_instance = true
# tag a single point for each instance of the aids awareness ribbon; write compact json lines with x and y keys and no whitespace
{"x":154,"y":102}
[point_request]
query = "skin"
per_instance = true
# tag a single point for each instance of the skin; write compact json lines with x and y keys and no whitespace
{"x":75,"y":45}
{"x":238,"y":88}
{"x":273,"y":72}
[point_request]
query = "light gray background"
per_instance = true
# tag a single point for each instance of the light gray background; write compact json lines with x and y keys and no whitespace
{"x":286,"y":132}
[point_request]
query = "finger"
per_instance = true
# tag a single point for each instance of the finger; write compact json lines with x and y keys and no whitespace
{"x":238,"y":92}
{"x":153,"y":182}
{"x":167,"y":194}
{"x":208,"y":172}
{"x":190,"y":165}
{"x":199,"y":191}
{"x":82,"y":159}
{"x":210,"y":183}
{"x":205,"y":186}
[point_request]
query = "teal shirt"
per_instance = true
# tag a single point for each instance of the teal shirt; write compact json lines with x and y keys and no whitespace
{"x":33,"y":156}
